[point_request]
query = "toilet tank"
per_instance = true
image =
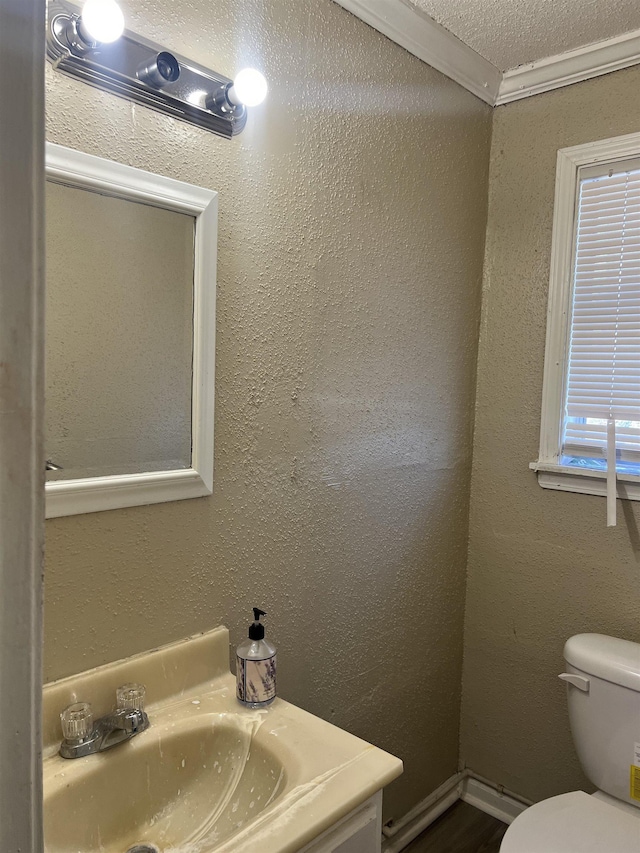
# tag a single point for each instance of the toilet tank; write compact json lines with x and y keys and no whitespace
{"x":605,"y":717}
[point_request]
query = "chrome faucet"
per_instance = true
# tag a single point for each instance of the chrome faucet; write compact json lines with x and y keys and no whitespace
{"x":84,"y":737}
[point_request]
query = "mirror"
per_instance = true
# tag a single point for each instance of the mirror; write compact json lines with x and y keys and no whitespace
{"x":130,"y":335}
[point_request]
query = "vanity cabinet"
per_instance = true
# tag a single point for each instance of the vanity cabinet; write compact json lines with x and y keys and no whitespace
{"x":198,"y":739}
{"x":359,"y":832}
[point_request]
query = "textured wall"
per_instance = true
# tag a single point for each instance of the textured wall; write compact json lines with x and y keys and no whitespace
{"x":352,"y":215}
{"x":542,"y":564}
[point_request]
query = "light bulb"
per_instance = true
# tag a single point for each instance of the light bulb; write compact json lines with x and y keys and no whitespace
{"x":249,"y":88}
{"x":102,"y":20}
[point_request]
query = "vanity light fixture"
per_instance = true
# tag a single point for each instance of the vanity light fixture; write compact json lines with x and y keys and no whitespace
{"x":248,"y":90}
{"x":102,"y":20}
{"x":92,"y":45}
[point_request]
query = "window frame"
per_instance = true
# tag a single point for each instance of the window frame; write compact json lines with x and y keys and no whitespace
{"x":551,"y":474}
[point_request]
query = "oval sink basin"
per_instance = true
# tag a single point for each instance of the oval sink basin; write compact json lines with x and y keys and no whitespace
{"x":175,"y":790}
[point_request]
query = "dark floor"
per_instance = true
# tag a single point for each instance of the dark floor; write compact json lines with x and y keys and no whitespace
{"x":461,"y":829}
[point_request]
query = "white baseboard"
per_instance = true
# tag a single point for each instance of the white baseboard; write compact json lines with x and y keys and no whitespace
{"x":491,"y":800}
{"x":465,"y":786}
{"x":402,"y":832}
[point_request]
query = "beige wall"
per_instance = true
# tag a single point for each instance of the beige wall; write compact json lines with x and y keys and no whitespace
{"x":542,"y":564}
{"x":352,"y":218}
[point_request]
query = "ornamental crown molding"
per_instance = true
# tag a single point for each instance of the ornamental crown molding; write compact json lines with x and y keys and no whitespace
{"x":429,"y":41}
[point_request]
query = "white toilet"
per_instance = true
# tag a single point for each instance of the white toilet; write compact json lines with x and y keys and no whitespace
{"x":603,"y":691}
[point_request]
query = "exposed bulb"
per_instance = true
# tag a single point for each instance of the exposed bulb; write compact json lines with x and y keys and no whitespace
{"x":102,"y":20}
{"x":249,"y":88}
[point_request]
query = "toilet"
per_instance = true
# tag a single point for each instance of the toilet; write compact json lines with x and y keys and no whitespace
{"x":603,"y":692}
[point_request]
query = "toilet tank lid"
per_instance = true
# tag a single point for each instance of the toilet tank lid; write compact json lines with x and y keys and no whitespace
{"x":605,"y":657}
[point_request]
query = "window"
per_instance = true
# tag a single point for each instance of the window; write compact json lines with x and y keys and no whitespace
{"x":590,"y":429}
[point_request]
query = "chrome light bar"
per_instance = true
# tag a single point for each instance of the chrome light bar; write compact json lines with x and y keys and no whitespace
{"x":140,"y":70}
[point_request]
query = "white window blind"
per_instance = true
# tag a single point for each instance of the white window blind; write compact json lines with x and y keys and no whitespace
{"x":603,"y":376}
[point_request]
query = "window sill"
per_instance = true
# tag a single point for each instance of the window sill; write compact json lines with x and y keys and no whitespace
{"x":585,"y":482}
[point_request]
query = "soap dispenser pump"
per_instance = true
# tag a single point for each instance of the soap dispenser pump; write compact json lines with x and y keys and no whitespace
{"x":256,"y":667}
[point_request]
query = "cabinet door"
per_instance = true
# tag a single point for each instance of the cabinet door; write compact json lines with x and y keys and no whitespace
{"x":358,"y":832}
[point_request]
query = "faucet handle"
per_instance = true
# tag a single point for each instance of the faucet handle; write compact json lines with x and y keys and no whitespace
{"x":130,"y":697}
{"x":77,"y":721}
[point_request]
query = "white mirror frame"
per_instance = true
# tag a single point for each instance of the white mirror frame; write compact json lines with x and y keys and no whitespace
{"x":92,"y":494}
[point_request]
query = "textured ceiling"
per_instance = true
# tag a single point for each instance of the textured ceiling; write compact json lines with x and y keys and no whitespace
{"x":511,"y":32}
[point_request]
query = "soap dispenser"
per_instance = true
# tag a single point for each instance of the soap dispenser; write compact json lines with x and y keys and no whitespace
{"x":256,"y":667}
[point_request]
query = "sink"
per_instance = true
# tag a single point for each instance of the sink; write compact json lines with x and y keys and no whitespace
{"x":172,"y":789}
{"x":208,"y":775}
